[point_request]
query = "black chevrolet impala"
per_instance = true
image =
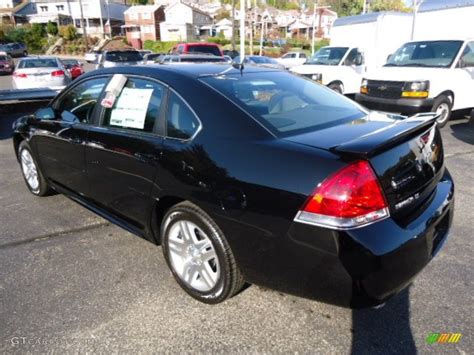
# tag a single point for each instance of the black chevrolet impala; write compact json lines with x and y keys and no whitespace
{"x":248,"y":175}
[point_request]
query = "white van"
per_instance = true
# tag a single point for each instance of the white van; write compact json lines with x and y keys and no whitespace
{"x":358,"y":44}
{"x":423,"y":76}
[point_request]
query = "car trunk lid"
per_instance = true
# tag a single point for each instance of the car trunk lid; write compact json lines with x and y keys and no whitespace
{"x":406,"y":154}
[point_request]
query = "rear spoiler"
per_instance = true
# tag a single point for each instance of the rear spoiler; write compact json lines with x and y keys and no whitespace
{"x":387,"y":137}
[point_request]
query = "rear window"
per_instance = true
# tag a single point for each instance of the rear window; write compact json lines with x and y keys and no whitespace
{"x":37,"y":63}
{"x":204,"y":49}
{"x":132,"y":56}
{"x":3,"y":57}
{"x":286,"y":104}
{"x":202,"y":59}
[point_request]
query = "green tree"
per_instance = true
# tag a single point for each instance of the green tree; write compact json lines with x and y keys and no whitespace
{"x":388,"y":5}
{"x":52,"y":28}
{"x":68,"y":32}
{"x":344,"y":7}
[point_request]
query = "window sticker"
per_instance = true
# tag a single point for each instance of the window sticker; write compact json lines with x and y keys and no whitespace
{"x":131,"y":108}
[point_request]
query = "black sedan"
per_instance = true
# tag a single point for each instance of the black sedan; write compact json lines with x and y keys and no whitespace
{"x":248,"y":175}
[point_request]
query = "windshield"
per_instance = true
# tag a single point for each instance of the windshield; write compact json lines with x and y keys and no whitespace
{"x":328,"y":56}
{"x":437,"y":54}
{"x":284,"y":103}
{"x":37,"y":63}
{"x":204,"y":49}
{"x":124,"y":56}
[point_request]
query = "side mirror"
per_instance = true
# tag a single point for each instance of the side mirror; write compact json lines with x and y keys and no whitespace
{"x":359,"y":60}
{"x":45,"y":114}
{"x":389,"y":57}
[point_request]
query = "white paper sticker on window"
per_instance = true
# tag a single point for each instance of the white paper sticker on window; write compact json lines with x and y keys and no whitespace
{"x":131,"y":108}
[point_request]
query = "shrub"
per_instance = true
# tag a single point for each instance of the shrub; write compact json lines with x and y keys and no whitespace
{"x":158,"y":46}
{"x":68,"y":32}
{"x":52,"y":28}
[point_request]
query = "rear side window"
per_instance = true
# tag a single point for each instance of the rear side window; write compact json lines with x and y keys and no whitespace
{"x":137,"y":107}
{"x":78,"y":103}
{"x":286,"y":104}
{"x":181,"y":121}
{"x":204,"y":49}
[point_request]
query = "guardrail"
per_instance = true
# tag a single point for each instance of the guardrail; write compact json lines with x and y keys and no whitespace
{"x":29,"y":94}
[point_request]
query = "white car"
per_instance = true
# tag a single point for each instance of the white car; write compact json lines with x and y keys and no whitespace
{"x":40,"y":72}
{"x":92,"y":56}
{"x":423,"y":76}
{"x":292,"y":59}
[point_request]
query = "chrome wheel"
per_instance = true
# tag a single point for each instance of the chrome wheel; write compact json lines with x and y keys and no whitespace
{"x":443,"y":111}
{"x":193,"y":256}
{"x":29,"y":169}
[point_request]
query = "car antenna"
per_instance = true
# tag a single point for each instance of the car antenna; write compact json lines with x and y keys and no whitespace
{"x":240,"y":65}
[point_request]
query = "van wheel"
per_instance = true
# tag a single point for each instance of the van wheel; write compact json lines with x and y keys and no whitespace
{"x":336,"y":87}
{"x":442,"y":106}
{"x":34,"y":179}
{"x":198,"y":254}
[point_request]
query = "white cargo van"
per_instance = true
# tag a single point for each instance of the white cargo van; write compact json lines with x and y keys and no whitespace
{"x":421,"y":76}
{"x":358,"y":44}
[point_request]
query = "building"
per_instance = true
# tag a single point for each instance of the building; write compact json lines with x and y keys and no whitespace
{"x":183,"y":22}
{"x":142,"y":23}
{"x":9,"y":12}
{"x":101,"y":17}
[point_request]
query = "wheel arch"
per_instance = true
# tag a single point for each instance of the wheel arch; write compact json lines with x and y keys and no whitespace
{"x":448,"y":93}
{"x":337,"y":82}
{"x":162,"y":205}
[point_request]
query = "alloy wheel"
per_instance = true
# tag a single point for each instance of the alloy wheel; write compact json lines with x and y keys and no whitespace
{"x":193,"y":256}
{"x":30,"y":170}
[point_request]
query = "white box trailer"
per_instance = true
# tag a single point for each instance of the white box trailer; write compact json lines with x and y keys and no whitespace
{"x":444,"y":19}
{"x":358,"y":44}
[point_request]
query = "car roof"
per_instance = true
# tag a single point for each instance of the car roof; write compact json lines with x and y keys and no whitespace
{"x":39,"y":57}
{"x":200,"y":44}
{"x":190,"y":71}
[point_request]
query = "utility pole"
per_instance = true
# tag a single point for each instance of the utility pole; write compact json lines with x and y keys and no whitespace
{"x":232,"y":41}
{"x":314,"y":28}
{"x":84,"y":30}
{"x":261,"y":37}
{"x":242,"y":31}
{"x":416,"y":6}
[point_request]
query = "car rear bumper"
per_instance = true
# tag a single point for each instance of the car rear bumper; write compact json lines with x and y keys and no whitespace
{"x":405,"y":106}
{"x":354,"y":268}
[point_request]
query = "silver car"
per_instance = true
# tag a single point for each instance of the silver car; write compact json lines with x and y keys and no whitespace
{"x":110,"y":59}
{"x":40,"y":72}
{"x":260,"y":61}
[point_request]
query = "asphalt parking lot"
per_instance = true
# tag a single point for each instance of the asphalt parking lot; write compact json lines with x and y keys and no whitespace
{"x":70,"y":281}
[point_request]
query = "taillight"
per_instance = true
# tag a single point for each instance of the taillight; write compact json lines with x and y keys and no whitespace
{"x":350,"y":198}
{"x":19,"y":75}
{"x":58,"y":73}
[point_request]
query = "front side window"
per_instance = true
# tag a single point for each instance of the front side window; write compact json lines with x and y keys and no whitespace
{"x":137,"y":107}
{"x":284,"y":103}
{"x":78,"y":103}
{"x":435,"y":54}
{"x":467,"y":58}
{"x":181,"y":121}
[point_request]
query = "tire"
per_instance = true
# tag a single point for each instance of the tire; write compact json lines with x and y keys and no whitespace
{"x":198,"y":254}
{"x":32,"y":175}
{"x":442,"y":105}
{"x":336,"y":87}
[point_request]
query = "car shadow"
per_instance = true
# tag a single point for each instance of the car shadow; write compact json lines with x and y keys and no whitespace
{"x":463,"y":130}
{"x":384,"y":330}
